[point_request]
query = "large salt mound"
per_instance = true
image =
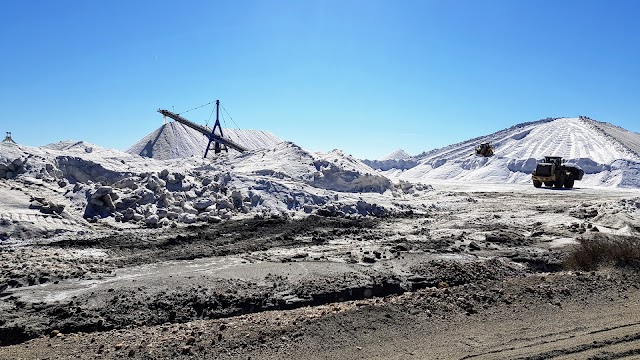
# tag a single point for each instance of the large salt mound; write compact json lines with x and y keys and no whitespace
{"x":607,"y":153}
{"x":175,"y":140}
{"x":83,"y":147}
{"x":334,"y":170}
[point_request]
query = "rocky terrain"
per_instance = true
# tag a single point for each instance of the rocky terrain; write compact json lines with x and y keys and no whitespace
{"x":280,"y":286}
{"x":284,"y":253}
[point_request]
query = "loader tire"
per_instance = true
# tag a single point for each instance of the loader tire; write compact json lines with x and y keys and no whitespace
{"x":558,"y":183}
{"x":568,"y":183}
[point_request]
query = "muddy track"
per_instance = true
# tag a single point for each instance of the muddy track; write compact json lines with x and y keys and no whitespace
{"x":39,"y":264}
{"x":227,"y":238}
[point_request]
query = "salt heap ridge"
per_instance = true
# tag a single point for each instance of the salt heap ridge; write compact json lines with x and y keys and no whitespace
{"x":608,"y":154}
{"x":78,"y":183}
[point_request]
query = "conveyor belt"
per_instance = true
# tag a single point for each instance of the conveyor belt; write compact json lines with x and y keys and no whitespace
{"x":203,"y":129}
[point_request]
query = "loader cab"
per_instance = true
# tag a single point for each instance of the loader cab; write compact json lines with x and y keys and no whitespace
{"x":554,"y":160}
{"x":548,"y":166}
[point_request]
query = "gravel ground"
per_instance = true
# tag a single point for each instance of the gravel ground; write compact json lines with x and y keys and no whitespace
{"x":477,"y":275}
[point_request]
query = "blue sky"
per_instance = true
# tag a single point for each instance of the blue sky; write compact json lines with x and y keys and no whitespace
{"x":367,"y":77}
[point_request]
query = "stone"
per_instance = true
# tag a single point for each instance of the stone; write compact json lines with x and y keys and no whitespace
{"x":51,"y":208}
{"x":175,"y":208}
{"x":188,"y":218}
{"x":57,"y":208}
{"x":108,"y":202}
{"x":137,"y":217}
{"x":97,"y":202}
{"x":146,"y":196}
{"x":189,"y":209}
{"x":536,"y":233}
{"x":213,"y":219}
{"x":101,"y":191}
{"x":223,"y":204}
{"x":162,"y":213}
{"x":18,"y":162}
{"x":202,"y":204}
{"x":128,"y":183}
{"x":154,"y":183}
{"x":474,"y":246}
{"x":175,"y":178}
{"x":164,"y":173}
{"x":126,"y":202}
{"x":62,"y":183}
{"x":152,"y":220}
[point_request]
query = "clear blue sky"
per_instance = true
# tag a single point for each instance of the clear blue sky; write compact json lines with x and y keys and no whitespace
{"x":364,"y":76}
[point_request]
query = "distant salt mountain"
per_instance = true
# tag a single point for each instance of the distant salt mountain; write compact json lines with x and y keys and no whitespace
{"x":175,"y":140}
{"x":609,"y":155}
{"x":81,"y":147}
{"x":397,"y":160}
{"x":397,"y":155}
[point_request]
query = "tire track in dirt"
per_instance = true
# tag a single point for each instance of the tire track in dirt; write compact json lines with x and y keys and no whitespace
{"x":45,"y":220}
{"x":622,"y":340}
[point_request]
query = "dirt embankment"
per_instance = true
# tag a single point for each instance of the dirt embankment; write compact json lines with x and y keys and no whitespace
{"x":564,"y":315}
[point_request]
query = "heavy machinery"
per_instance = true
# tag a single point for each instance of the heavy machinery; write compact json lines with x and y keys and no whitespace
{"x":553,"y":171}
{"x":485,"y":149}
{"x":8,"y":139}
{"x":220,"y":143}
